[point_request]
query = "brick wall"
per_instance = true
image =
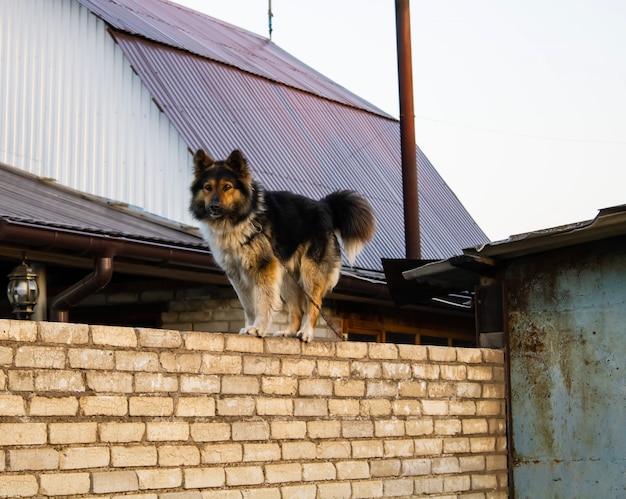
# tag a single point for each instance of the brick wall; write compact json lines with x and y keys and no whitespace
{"x":96,"y":411}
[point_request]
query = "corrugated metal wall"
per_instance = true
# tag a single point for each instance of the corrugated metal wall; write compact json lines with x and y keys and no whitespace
{"x":71,"y":108}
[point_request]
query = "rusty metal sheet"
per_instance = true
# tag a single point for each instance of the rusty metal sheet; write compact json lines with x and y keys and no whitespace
{"x":567,"y":342}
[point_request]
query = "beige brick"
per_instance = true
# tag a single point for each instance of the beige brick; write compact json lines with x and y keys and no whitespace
{"x":21,"y":381}
{"x":33,"y":459}
{"x":440,"y":389}
{"x":389,"y":428}
{"x":469,"y":355}
{"x":210,"y":432}
{"x":115,"y":336}
{"x":222,"y":453}
{"x":493,"y":463}
{"x":306,"y":407}
{"x":204,"y":478}
{"x":387,"y":467}
{"x":456,"y":445}
{"x":281,"y":473}
{"x":489,"y":408}
{"x":479,"y":373}
{"x":6,"y":356}
{"x":473,"y":426}
{"x":493,"y":390}
{"x":168,"y":478}
{"x":398,"y":448}
{"x":110,"y":382}
{"x":428,"y":486}
{"x":151,"y":406}
{"x":319,"y":349}
{"x":374,"y":407}
{"x":316,"y":472}
{"x":136,"y":361}
{"x":367,"y":489}
{"x":12,"y":405}
{"x":250,"y":430}
{"x":367,"y":370}
{"x":91,"y":358}
{"x":426,"y":371}
{"x":283,"y":346}
{"x":468,"y":390}
{"x":445,"y":465}
{"x":50,"y":406}
{"x":195,"y":407}
{"x":133,"y":455}
{"x":331,"y":449}
{"x":17,"y":485}
{"x":257,"y":365}
{"x":72,"y":433}
{"x":456,"y":483}
{"x":279,"y":385}
{"x":106,"y":482}
{"x":406,"y":407}
{"x":397,"y":487}
{"x":435,"y":407}
{"x":482,"y":444}
{"x":352,"y":350}
{"x":287,"y":430}
{"x":333,"y":368}
{"x":121,"y":432}
{"x":447,"y":427}
{"x":22,"y":434}
{"x":244,"y":475}
{"x":396,"y":370}
{"x":381,"y":389}
{"x":493,"y":356}
{"x":428,"y":446}
{"x":243,"y":343}
{"x":211,"y":342}
{"x":363,"y":449}
{"x":221,"y":364}
{"x":299,"y":491}
{"x":261,"y":452}
{"x":297,"y":367}
{"x":240,"y":385}
{"x":104,"y":405}
{"x":155,"y":383}
{"x":419,"y":427}
{"x":462,"y":408}
{"x":315,"y":387}
{"x":349,"y":388}
{"x":497,"y":426}
{"x":453,"y":372}
{"x":499,"y":374}
{"x":344,"y":407}
{"x":472,"y":463}
{"x":179,"y":455}
{"x":75,"y":458}
{"x":324,"y":429}
{"x":13,"y":330}
{"x":204,"y":383}
{"x":298,"y":451}
{"x":441,"y":354}
{"x":236,"y":406}
{"x":40,"y":357}
{"x":415,"y":467}
{"x":357,"y":429}
{"x":352,"y":470}
{"x":480,"y":482}
{"x":412,"y":389}
{"x":181,"y":362}
{"x":64,"y":484}
{"x":59,"y":380}
{"x":159,"y":338}
{"x":167,"y":431}
{"x":3,"y":381}
{"x":274,"y":406}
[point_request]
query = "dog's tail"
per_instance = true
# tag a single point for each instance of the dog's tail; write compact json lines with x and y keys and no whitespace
{"x":353,"y":218}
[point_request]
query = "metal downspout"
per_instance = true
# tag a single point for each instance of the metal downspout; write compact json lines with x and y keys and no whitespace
{"x":407,"y":132}
{"x":99,"y":278}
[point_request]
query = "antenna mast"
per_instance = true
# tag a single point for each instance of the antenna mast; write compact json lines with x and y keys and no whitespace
{"x":269,"y":18}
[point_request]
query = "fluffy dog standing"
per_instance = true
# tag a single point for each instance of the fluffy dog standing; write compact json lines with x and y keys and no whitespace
{"x":275,"y":244}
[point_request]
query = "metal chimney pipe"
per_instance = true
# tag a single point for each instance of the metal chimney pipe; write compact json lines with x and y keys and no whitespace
{"x":407,"y":132}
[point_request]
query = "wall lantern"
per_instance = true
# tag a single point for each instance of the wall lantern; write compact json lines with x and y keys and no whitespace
{"x":23,"y":290}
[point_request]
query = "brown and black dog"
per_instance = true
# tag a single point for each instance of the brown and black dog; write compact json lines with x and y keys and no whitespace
{"x":276,"y":244}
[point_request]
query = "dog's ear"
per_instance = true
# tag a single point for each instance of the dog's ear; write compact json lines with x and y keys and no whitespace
{"x":202,"y":162}
{"x":237,"y":163}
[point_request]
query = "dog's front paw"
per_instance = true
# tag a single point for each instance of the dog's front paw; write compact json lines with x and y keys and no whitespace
{"x":252,"y":331}
{"x":285,"y":333}
{"x":305,"y":335}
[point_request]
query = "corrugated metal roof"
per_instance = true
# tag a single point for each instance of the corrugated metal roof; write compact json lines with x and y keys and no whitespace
{"x":26,"y":198}
{"x":224,"y":88}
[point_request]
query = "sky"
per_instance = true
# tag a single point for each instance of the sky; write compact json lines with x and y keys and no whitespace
{"x":520,"y":105}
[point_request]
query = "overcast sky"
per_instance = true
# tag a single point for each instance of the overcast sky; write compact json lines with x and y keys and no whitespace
{"x":520,"y":105}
